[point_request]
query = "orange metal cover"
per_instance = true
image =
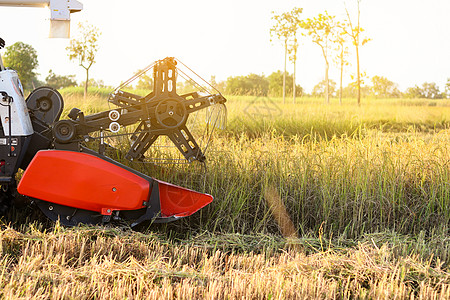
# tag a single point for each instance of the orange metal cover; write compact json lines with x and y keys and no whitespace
{"x":179,"y":201}
{"x":83,"y":181}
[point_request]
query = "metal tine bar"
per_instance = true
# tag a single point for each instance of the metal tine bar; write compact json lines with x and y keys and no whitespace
{"x":132,"y":78}
{"x":210,"y":135}
{"x":197,"y":75}
{"x":192,"y":80}
{"x":206,"y":127}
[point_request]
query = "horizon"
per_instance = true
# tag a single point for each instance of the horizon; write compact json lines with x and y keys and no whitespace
{"x":408,"y":46}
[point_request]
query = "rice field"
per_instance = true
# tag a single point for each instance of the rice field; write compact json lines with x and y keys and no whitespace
{"x":311,"y":201}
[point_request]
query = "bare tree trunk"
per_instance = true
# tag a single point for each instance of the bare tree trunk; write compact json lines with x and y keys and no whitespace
{"x":284,"y":73}
{"x":86,"y":84}
{"x":327,"y":86}
{"x":342,"y":72}
{"x":358,"y":76}
{"x":340,"y":88}
{"x":357,"y":60}
{"x":293,"y":84}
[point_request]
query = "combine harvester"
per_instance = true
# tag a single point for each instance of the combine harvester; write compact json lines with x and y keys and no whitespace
{"x":70,"y":181}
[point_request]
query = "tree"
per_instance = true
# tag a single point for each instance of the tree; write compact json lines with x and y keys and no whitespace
{"x":294,"y":20}
{"x":186,"y":86}
{"x":447,"y":88}
{"x":97,"y":83}
{"x":342,"y":53}
{"x":414,"y":92}
{"x":319,"y":89}
{"x":213,"y":81}
{"x":384,"y":88}
{"x":220,"y":86}
{"x":59,"y":81}
{"x":354,"y":32}
{"x":145,"y":82}
{"x":252,"y":84}
{"x":293,"y":59}
{"x":286,"y":26}
{"x":260,"y":85}
{"x":431,"y":91}
{"x":84,"y":49}
{"x":22,"y":58}
{"x":351,"y":90}
{"x":321,"y":29}
{"x":276,"y":84}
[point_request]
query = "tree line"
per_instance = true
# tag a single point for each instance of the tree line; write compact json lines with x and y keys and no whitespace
{"x":260,"y":85}
{"x":23,"y":58}
{"x":377,"y":87}
{"x":334,"y":38}
{"x":83,"y":49}
{"x":331,"y":35}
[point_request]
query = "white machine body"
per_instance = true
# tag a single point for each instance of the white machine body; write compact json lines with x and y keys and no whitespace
{"x":18,"y":115}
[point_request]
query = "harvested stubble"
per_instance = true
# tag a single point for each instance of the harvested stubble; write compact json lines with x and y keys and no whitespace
{"x":96,"y":263}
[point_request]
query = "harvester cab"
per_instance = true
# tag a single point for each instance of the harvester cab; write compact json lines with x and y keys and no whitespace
{"x":74,"y":183}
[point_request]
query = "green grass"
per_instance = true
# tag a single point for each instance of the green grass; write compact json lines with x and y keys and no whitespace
{"x":311,"y":117}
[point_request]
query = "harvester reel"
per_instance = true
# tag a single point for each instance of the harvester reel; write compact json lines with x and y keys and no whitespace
{"x":171,"y":113}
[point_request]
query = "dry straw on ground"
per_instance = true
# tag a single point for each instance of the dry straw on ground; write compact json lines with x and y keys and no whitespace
{"x":106,"y":264}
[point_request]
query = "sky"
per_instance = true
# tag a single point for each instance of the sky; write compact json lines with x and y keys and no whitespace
{"x":410,"y":39}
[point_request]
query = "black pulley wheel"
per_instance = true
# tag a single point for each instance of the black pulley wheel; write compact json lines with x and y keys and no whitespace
{"x":171,"y":113}
{"x":64,"y":131}
{"x":45,"y":104}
